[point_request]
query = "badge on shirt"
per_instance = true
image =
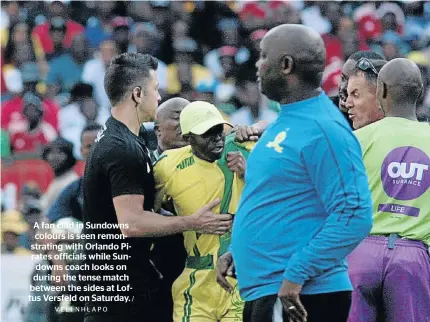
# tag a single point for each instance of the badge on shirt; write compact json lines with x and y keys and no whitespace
{"x":276,"y":143}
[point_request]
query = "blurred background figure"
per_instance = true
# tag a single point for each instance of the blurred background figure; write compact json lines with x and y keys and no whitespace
{"x":252,"y":105}
{"x":21,"y":50}
{"x":98,"y":26}
{"x":31,"y":211}
{"x":70,"y":201}
{"x":146,"y":41}
{"x":95,"y":69}
{"x":59,"y":155}
{"x":226,"y":82}
{"x":230,"y":36}
{"x":29,"y":121}
{"x":12,"y":226}
{"x":66,"y":70}
{"x":33,"y":132}
{"x":58,"y":32}
{"x":81,"y":110}
{"x":185,"y":72}
{"x":423,"y":104}
{"x":121,"y":33}
{"x":139,"y":11}
{"x":22,"y":219}
{"x":5,"y":144}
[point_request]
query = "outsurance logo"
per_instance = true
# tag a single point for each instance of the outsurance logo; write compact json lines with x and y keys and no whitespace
{"x":405,"y":173}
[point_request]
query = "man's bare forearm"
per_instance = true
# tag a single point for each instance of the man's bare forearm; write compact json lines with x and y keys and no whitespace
{"x":150,"y":224}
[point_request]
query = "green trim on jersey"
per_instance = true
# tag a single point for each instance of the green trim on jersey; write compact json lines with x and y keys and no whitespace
{"x":230,"y":146}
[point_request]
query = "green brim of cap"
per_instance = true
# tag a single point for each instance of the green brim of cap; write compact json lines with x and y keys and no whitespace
{"x":206,"y":126}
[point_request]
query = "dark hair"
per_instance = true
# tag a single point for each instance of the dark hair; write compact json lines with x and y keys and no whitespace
{"x":10,"y":46}
{"x":64,"y":146}
{"x":369,"y":75}
{"x":58,"y":24}
{"x":81,"y":90}
{"x":245,"y":74}
{"x":366,"y":54}
{"x":91,"y":126}
{"x":124,"y":72}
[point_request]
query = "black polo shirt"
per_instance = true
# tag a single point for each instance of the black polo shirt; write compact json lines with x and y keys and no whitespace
{"x":118,"y":164}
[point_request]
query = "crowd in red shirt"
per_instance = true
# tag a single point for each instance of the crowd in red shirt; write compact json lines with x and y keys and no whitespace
{"x":40,"y":42}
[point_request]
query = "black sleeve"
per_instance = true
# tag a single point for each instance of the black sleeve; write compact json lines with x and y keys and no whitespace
{"x":126,"y":169}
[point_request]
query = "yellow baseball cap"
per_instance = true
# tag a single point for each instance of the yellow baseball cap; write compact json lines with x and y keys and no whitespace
{"x":199,"y":116}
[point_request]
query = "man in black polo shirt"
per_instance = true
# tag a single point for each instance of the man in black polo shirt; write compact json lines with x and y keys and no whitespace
{"x":118,"y":200}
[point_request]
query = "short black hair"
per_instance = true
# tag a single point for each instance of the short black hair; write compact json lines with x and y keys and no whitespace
{"x":64,"y":146}
{"x":81,"y":90}
{"x":91,"y":126}
{"x":245,"y":74}
{"x":124,"y":72}
{"x":366,"y":54}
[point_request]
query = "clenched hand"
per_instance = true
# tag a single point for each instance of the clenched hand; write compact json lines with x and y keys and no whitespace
{"x":236,"y":163}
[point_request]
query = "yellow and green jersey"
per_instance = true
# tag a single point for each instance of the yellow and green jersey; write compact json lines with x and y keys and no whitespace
{"x":396,"y":154}
{"x":191,"y":183}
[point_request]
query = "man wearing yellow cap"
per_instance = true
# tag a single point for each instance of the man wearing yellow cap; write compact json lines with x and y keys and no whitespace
{"x":210,"y":167}
{"x":12,"y":226}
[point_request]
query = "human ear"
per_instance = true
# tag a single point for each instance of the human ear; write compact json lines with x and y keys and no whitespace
{"x":287,"y":64}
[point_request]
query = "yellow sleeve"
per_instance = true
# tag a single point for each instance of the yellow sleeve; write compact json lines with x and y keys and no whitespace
{"x":161,"y":182}
{"x":201,"y":74}
{"x":4,"y":37}
{"x":173,"y":84}
{"x":38,"y":49}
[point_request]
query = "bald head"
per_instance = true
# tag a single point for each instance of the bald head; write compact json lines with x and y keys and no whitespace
{"x":291,"y":51}
{"x":303,"y":44}
{"x":167,"y":127}
{"x":401,"y":81}
{"x":170,"y":107}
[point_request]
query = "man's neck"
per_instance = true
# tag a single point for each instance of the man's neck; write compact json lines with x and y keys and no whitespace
{"x":127,"y":115}
{"x":300,"y":94}
{"x":406,"y":111}
{"x":160,"y":148}
{"x":202,"y":157}
{"x":123,"y":47}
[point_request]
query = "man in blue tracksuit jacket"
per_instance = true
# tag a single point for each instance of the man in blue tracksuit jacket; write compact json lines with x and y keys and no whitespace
{"x":306,"y":203}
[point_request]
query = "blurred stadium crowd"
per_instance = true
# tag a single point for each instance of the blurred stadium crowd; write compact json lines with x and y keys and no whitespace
{"x":54,"y":55}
